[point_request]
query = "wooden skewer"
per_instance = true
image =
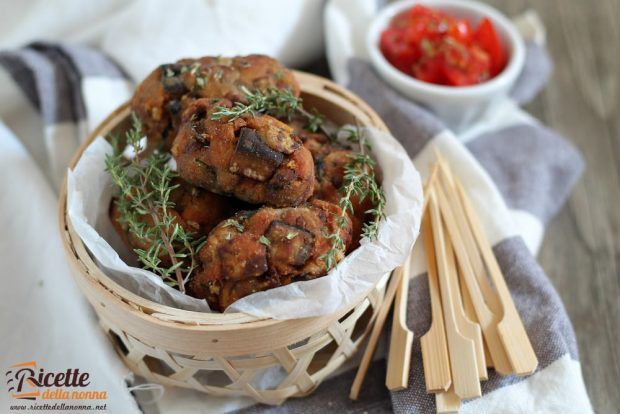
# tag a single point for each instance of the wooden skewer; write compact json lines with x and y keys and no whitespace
{"x":487,"y":355}
{"x":434,"y":345}
{"x":461,"y":349}
{"x":375,"y":333}
{"x":447,"y":402}
{"x":487,"y":319}
{"x":470,"y":313}
{"x":466,"y":327}
{"x":429,"y":183}
{"x":448,"y":182}
{"x":511,"y":329}
{"x":490,"y":296}
{"x":401,"y":337}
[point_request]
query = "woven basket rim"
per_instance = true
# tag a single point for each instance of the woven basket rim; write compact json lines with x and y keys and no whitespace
{"x":80,"y":258}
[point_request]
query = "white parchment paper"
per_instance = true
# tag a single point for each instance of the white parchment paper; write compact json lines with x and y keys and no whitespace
{"x":90,"y":189}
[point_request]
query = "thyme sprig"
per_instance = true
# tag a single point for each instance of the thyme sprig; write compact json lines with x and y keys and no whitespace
{"x":359,"y":181}
{"x":145,"y":185}
{"x":280,"y":103}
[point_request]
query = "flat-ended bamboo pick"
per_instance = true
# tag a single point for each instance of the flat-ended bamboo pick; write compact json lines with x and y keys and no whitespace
{"x":488,"y":320}
{"x":435,"y":357}
{"x":401,"y":337}
{"x":397,"y":274}
{"x":466,"y":327}
{"x":512,"y":332}
{"x":448,"y":181}
{"x":470,"y":313}
{"x":461,"y":349}
{"x":490,"y":296}
{"x":447,"y":402}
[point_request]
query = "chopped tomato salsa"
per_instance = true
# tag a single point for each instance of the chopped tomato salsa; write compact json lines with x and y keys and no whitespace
{"x":435,"y":47}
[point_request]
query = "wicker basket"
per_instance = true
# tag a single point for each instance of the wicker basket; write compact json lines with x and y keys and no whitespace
{"x":222,"y":354}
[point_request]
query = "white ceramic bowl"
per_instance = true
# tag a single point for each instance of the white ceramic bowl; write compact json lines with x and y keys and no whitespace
{"x":458,"y":107}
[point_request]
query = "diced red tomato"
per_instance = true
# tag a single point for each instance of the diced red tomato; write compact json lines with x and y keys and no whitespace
{"x":487,"y":38}
{"x":396,"y":51}
{"x":431,"y":70}
{"x":461,"y":31}
{"x":474,"y":70}
{"x":435,"y":47}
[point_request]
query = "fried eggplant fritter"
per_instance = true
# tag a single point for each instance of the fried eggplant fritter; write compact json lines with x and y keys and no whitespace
{"x":330,"y":159}
{"x":264,"y":249}
{"x":195,"y":209}
{"x":255,"y":158}
{"x":317,"y":143}
{"x":160,"y":99}
{"x":330,"y":179}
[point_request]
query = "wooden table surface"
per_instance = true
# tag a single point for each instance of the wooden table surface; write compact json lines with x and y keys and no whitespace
{"x":581,"y":250}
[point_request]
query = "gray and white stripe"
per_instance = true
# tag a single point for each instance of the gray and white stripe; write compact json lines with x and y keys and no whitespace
{"x":52,"y":78}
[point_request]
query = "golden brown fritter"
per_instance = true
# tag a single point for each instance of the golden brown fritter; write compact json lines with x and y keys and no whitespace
{"x":264,"y":249}
{"x":329,"y":180}
{"x":330,"y":158}
{"x":159,"y":100}
{"x":257,"y":159}
{"x":196,"y":210}
{"x":317,"y":143}
{"x":202,"y":210}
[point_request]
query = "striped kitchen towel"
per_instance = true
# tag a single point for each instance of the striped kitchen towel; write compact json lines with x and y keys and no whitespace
{"x":57,"y":94}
